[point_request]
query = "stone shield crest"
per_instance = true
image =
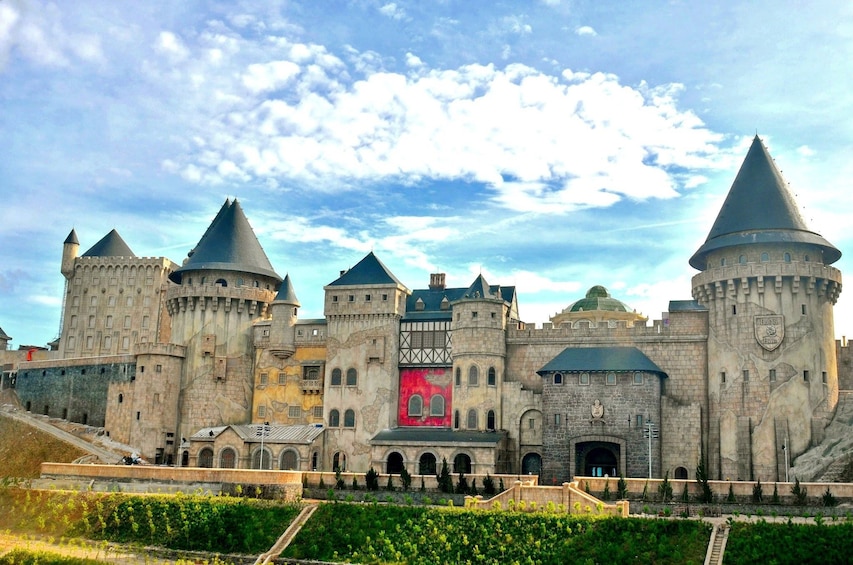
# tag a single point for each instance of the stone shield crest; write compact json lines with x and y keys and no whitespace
{"x":770,"y":331}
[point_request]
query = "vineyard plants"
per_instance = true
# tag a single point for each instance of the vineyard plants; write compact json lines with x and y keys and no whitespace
{"x":377,"y":533}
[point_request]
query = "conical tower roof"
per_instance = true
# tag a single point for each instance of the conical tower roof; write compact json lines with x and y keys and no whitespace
{"x":286,"y":294}
{"x":111,"y":245}
{"x":72,"y":238}
{"x":760,"y":209}
{"x":3,"y":336}
{"x":480,"y":289}
{"x":229,"y":244}
{"x":369,"y":270}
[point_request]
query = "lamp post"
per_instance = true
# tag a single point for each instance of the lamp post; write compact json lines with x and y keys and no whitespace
{"x":262,"y":431}
{"x":785,"y":449}
{"x":650,"y":432}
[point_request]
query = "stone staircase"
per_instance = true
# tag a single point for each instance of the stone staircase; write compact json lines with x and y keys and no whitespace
{"x":717,"y":545}
{"x":287,"y":536}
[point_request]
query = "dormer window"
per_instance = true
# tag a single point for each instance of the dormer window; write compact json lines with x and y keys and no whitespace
{"x":419,"y":304}
{"x":445,"y":303}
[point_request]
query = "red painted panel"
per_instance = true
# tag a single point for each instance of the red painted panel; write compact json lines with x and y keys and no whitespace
{"x":425,"y":382}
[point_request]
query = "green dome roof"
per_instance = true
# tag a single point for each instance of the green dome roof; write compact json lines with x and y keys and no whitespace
{"x":597,"y":298}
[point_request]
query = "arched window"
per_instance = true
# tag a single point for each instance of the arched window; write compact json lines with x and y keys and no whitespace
{"x":493,"y":377}
{"x":426,"y":464}
{"x":490,"y":420}
{"x":289,"y":461}
{"x":239,"y":281}
{"x":120,"y":398}
{"x":416,"y":405}
{"x":394,"y":465}
{"x":458,"y":376}
{"x":228,"y":458}
{"x":456,"y":419}
{"x":205,"y":458}
{"x":723,"y":262}
{"x":680,"y":473}
{"x":349,"y":418}
{"x":352,"y":377}
{"x":742,"y":259}
{"x":261,"y":459}
{"x":336,"y":377}
{"x":339,"y":462}
{"x":765,"y":257}
{"x":473,"y":376}
{"x":436,"y":405}
{"x":315,"y":457}
{"x":472,"y":419}
{"x":221,"y":282}
{"x":787,"y":257}
{"x":558,"y":378}
{"x":334,"y":419}
{"x":462,"y":464}
{"x":806,"y":258}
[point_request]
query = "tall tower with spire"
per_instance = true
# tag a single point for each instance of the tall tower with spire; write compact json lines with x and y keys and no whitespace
{"x":769,"y":287}
{"x":225,"y":284}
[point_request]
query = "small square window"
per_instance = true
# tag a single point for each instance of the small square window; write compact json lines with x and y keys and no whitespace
{"x":351,"y":298}
{"x":384,"y":297}
{"x":367,"y":298}
{"x":334,"y":298}
{"x":493,"y":315}
{"x":318,"y":412}
{"x":265,"y":377}
{"x":294,"y":412}
{"x":473,"y":314}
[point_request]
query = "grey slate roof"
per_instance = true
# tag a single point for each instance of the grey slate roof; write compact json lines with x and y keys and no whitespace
{"x":369,"y":270}
{"x":432,"y":299}
{"x":686,"y":306}
{"x":229,"y":244}
{"x":286,"y":293}
{"x":3,"y":335}
{"x":72,"y":238}
{"x":437,"y":436}
{"x":301,"y":434}
{"x":111,"y":245}
{"x":600,"y":359}
{"x":759,"y":209}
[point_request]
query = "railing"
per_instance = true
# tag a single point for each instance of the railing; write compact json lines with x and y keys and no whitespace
{"x":526,"y":496}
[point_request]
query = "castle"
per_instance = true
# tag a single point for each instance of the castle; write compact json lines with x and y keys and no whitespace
{"x":208,"y":363}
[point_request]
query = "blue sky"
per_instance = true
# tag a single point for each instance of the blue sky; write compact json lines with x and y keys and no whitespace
{"x":551,"y":145}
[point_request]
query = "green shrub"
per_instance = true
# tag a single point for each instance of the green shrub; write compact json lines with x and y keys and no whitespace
{"x":488,"y":485}
{"x":371,"y":479}
{"x":800,"y":493}
{"x":757,"y":495}
{"x":828,"y":499}
{"x":665,"y":489}
{"x":406,"y":479}
{"x":622,"y":488}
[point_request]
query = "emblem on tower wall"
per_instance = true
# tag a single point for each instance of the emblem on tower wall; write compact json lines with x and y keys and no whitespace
{"x":769,"y":331}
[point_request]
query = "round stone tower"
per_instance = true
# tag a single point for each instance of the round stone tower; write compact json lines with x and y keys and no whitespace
{"x":225,"y":284}
{"x":479,"y":356}
{"x":769,"y":288}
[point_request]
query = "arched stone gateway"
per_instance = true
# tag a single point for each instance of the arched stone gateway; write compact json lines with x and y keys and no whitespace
{"x":395,"y":463}
{"x":597,"y":459}
{"x":531,"y":464}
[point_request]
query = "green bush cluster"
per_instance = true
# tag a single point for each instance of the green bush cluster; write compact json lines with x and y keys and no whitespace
{"x":763,"y":542}
{"x":418,"y":535}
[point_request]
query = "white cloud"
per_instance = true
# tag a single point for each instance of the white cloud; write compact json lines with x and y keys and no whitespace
{"x":585,"y":31}
{"x":805,"y":151}
{"x":391,"y":10}
{"x":171,"y":45}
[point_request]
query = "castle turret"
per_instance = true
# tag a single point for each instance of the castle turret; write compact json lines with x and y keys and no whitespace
{"x":226,"y":283}
{"x":284,"y":315}
{"x":769,"y":288}
{"x":70,"y":248}
{"x":479,"y":326}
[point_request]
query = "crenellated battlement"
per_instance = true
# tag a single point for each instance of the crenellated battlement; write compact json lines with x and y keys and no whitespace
{"x":798,"y":276}
{"x":673,"y":326}
{"x":168,"y":349}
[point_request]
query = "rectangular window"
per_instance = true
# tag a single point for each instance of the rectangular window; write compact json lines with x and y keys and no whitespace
{"x":265,"y":377}
{"x":384,"y":298}
{"x":159,"y":368}
{"x":109,"y":323}
{"x":804,"y":309}
{"x":138,"y":414}
{"x":806,"y":376}
{"x":531,"y":423}
{"x":746,"y":375}
{"x":282,"y":378}
{"x":351,"y":298}
{"x":557,"y":419}
{"x":639,"y":420}
{"x":473,"y":314}
{"x":772,"y":375}
{"x":73,"y":321}
{"x":311,"y":372}
{"x":367,"y":298}
{"x":91,"y":321}
{"x":262,"y":411}
{"x":294,"y":412}
{"x":734,"y":309}
{"x":111,"y":301}
{"x":334,"y":298}
{"x":94,"y":300}
{"x":90,"y":341}
{"x":127,"y":322}
{"x":723,"y":377}
{"x":318,"y":412}
{"x":823,"y":377}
